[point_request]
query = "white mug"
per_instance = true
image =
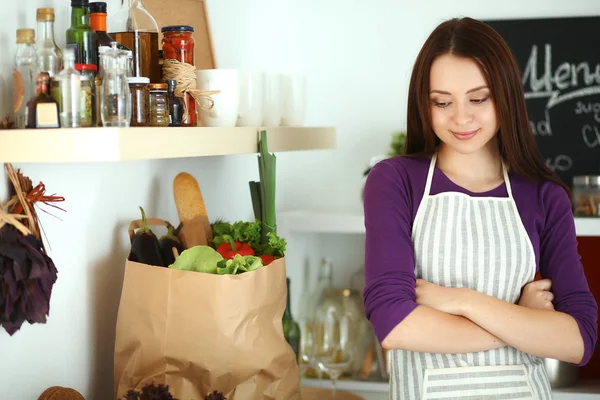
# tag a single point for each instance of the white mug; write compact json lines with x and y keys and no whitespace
{"x":293,"y":92}
{"x":272,"y":100}
{"x":227,"y":102}
{"x":252,"y":91}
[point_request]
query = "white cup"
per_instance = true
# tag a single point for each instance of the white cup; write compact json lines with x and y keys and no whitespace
{"x":227,"y":102}
{"x":252,"y":91}
{"x":272,"y":100}
{"x":293,"y":91}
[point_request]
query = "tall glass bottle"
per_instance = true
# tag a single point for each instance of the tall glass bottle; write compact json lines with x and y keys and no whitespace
{"x":43,"y":109}
{"x":134,"y":27}
{"x":309,"y":305}
{"x":70,"y":89}
{"x":24,"y":75}
{"x":80,"y":36}
{"x":291,"y":329}
{"x":48,"y":53}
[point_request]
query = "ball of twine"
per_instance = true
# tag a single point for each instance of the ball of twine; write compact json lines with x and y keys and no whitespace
{"x":185,"y":75}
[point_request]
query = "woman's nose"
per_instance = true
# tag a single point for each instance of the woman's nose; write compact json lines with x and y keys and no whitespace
{"x":463,"y":115}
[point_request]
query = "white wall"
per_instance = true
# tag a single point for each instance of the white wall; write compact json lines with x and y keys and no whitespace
{"x":358,"y":57}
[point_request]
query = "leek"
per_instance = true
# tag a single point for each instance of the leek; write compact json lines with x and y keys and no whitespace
{"x":263,"y":192}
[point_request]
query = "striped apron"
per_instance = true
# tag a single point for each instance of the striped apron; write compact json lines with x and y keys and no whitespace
{"x":479,"y":243}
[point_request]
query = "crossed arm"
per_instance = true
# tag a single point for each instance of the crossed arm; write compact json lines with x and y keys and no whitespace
{"x":457,"y":320}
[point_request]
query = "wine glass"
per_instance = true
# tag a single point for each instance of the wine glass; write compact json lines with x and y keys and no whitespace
{"x":333,"y":343}
{"x":307,"y":348}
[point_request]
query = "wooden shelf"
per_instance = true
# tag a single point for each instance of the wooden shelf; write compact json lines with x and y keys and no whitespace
{"x":352,"y":222}
{"x":148,"y":143}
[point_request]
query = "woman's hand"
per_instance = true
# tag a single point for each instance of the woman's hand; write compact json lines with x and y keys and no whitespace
{"x":537,"y":295}
{"x":448,"y":300}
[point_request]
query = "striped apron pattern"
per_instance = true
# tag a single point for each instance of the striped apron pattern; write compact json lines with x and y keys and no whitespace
{"x":478,"y":243}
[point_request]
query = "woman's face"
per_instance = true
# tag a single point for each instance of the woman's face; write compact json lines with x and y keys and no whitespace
{"x":463,"y":115}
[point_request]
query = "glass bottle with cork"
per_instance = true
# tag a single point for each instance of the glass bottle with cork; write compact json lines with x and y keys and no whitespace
{"x":42,"y":110}
{"x":48,"y":53}
{"x":178,"y":44}
{"x":135,"y":28}
{"x":24,"y":75}
{"x":80,"y":36}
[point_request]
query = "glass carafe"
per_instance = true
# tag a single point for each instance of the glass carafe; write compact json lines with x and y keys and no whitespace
{"x":134,"y":27}
{"x":115,"y":95}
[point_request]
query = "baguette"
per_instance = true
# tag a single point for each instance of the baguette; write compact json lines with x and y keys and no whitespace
{"x":188,"y":198}
{"x":190,"y":206}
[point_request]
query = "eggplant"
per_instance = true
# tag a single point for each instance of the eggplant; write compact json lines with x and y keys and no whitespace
{"x":145,"y":248}
{"x":167,"y":242}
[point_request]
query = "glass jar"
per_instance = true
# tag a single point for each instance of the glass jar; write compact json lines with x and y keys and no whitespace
{"x":115,"y":94}
{"x":178,"y":44}
{"x":139,"y":100}
{"x":586,"y":196}
{"x":158,"y":105}
{"x":87,"y":99}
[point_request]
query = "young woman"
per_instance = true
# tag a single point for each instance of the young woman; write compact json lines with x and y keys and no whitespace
{"x":457,"y":229}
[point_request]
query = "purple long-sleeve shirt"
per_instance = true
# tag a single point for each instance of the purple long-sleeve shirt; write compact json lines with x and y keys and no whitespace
{"x":393,"y":191}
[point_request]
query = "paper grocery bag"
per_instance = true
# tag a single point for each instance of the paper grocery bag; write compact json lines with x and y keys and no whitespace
{"x":194,"y":233}
{"x":199,"y":332}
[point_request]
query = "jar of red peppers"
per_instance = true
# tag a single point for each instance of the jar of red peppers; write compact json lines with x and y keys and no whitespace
{"x":178,"y":44}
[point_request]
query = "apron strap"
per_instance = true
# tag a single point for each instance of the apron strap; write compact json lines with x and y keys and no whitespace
{"x":507,"y":181}
{"x":430,"y":174}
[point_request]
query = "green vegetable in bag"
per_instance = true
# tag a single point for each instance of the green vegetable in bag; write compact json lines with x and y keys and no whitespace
{"x":238,"y":265}
{"x":199,"y":259}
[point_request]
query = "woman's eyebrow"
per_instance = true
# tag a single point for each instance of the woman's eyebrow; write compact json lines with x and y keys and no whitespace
{"x":468,"y":91}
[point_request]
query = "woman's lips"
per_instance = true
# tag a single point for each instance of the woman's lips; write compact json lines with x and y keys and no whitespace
{"x":465,"y":135}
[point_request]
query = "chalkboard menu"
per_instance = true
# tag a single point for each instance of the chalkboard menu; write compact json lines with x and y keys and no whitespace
{"x":560,"y":68}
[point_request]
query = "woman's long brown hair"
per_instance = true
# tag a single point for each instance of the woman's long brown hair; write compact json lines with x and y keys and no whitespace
{"x":474,"y":39}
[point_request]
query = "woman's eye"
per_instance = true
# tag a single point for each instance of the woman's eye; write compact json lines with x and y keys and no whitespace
{"x":440,"y":104}
{"x":479,"y":101}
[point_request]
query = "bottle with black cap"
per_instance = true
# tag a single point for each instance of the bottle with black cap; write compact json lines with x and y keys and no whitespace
{"x":80,"y":36}
{"x":98,"y":23}
{"x":176,"y":106}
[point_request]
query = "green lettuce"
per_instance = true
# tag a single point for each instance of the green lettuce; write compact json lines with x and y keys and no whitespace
{"x":198,"y":259}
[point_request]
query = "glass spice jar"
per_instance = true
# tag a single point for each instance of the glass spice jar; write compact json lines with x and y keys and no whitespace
{"x":158,"y":105}
{"x":178,"y":44}
{"x":586,"y":196}
{"x":87,"y":98}
{"x":139,"y":100}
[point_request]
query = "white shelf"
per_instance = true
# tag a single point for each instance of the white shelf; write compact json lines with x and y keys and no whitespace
{"x":146,"y":143}
{"x":349,"y":385}
{"x":323,"y":221}
{"x":585,"y":390}
{"x":587,"y":226}
{"x":352,"y":222}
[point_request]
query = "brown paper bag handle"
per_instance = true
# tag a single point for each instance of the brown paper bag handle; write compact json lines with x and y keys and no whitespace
{"x":137,"y":224}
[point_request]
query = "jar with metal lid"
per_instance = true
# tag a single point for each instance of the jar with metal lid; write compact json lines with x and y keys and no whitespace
{"x":586,"y":196}
{"x":87,"y":98}
{"x":139,"y":100}
{"x":158,"y":105}
{"x":178,"y":44}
